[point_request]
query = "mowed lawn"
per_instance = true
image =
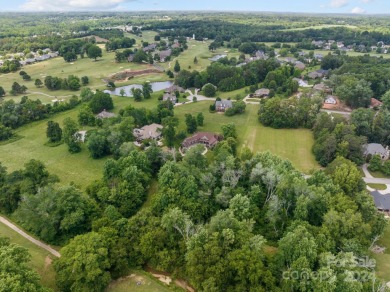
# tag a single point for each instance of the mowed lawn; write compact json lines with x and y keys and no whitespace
{"x":41,"y":260}
{"x":292,"y":144}
{"x":139,"y":281}
{"x":57,"y":67}
{"x":78,"y":168}
{"x":383,"y":260}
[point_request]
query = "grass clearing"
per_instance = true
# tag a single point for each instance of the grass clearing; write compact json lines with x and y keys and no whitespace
{"x":292,"y":144}
{"x":40,"y":258}
{"x":383,"y":260}
{"x":379,"y":187}
{"x":95,"y":70}
{"x":146,"y":283}
{"x":378,"y":174}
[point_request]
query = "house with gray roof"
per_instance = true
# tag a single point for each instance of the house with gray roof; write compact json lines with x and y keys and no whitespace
{"x":152,"y":131}
{"x":170,"y":97}
{"x":105,"y":115}
{"x":223,"y":105}
{"x":376,"y":149}
{"x":262,"y":92}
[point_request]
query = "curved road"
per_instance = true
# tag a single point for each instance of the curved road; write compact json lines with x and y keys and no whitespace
{"x":30,"y":238}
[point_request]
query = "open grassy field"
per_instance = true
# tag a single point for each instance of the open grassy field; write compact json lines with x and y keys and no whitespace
{"x":321,"y":27}
{"x":383,"y":260}
{"x":96,"y":71}
{"x":41,"y":260}
{"x":146,"y":283}
{"x":294,"y":145}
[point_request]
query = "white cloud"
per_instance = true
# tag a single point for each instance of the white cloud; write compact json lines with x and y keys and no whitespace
{"x":367,"y":1}
{"x":60,"y":5}
{"x":338,"y":3}
{"x":358,"y":10}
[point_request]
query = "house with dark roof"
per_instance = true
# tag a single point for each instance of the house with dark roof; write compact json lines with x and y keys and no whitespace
{"x":299,"y":65}
{"x":318,"y":74}
{"x":223,"y":105}
{"x":376,"y":149}
{"x":150,"y":48}
{"x":203,"y":138}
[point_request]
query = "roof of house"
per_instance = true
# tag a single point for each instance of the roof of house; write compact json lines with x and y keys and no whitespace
{"x":150,"y":47}
{"x":148,"y":132}
{"x":375,"y":102}
{"x":225,"y":103}
{"x":321,"y":87}
{"x":164,"y":54}
{"x":262,"y":92}
{"x":208,"y":137}
{"x":374,"y":148}
{"x":330,"y":99}
{"x":382,"y":202}
{"x":174,"y":88}
{"x":105,"y":115}
{"x":300,"y":65}
{"x":170,"y":97}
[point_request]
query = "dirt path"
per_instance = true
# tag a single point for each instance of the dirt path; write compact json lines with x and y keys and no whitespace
{"x":28,"y":237}
{"x":48,"y":95}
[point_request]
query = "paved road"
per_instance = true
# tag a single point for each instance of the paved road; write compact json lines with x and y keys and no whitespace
{"x":28,"y":237}
{"x":250,"y":102}
{"x":335,"y":112}
{"x":384,"y":181}
{"x":198,"y":96}
{"x":367,"y":174}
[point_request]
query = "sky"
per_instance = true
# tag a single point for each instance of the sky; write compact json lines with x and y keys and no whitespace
{"x":307,"y":6}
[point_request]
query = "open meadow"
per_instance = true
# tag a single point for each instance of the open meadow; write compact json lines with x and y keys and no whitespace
{"x":292,"y":144}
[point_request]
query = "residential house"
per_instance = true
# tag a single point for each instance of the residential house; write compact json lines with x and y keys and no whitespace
{"x":260,"y":55}
{"x":330,"y":99}
{"x":262,"y":92}
{"x":174,"y":88}
{"x":299,"y":65}
{"x":301,"y":82}
{"x":150,"y":48}
{"x":152,"y":131}
{"x":204,"y":138}
{"x":170,"y":97}
{"x":164,"y":55}
{"x":318,"y":74}
{"x":375,"y":103}
{"x":130,"y":58}
{"x":223,"y":105}
{"x":376,"y":149}
{"x":322,"y":87}
{"x":317,"y":44}
{"x":105,"y":115}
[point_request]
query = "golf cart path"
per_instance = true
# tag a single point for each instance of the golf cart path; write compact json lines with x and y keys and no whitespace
{"x":28,"y":237}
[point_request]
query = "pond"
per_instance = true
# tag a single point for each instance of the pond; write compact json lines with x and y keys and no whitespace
{"x":156,"y":86}
{"x":217,"y":57}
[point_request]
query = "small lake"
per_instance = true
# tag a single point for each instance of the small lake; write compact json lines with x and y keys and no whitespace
{"x":156,"y":86}
{"x":217,"y":57}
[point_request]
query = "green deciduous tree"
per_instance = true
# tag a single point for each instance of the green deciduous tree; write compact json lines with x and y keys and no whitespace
{"x":15,"y":271}
{"x":94,"y":52}
{"x":84,"y":264}
{"x":70,"y":135}
{"x":53,"y":131}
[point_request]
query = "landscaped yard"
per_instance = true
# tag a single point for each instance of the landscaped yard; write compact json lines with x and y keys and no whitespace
{"x":41,"y":260}
{"x":293,"y":144}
